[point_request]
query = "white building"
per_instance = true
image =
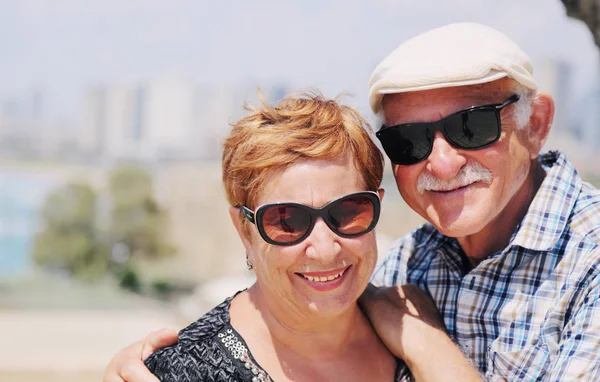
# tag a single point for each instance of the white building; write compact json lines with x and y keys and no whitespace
{"x":163,"y":118}
{"x":167,"y":113}
{"x":553,"y":77}
{"x":108,"y":121}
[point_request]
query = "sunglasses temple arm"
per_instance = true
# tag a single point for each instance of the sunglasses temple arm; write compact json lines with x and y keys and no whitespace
{"x":248,"y":214}
{"x":514,"y":98}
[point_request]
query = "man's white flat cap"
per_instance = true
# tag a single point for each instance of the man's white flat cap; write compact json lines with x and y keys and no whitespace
{"x":452,"y":55}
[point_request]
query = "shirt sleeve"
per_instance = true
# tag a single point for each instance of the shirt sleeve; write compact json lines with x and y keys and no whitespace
{"x":393,"y":269}
{"x":578,"y":358}
{"x":188,"y":364}
{"x":387,"y":272}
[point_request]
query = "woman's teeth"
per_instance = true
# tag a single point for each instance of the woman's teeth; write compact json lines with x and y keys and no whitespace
{"x":322,"y":279}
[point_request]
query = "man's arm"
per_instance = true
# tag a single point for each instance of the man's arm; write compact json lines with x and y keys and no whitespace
{"x":410,"y":326}
{"x":128,"y":364}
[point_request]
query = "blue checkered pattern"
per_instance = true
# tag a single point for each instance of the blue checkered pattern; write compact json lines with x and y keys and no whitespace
{"x":531,"y":311}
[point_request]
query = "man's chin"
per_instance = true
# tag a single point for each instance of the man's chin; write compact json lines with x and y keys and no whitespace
{"x":456,"y":226}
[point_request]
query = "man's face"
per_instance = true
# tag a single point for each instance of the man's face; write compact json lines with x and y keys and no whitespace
{"x":462,"y":191}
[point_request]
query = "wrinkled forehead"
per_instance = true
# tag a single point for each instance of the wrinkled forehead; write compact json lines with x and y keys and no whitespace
{"x":438,"y":103}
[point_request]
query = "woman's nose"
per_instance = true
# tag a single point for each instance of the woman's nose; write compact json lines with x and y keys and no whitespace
{"x":323,"y":243}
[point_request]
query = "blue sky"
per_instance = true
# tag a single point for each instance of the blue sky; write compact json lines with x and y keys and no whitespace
{"x":65,"y":46}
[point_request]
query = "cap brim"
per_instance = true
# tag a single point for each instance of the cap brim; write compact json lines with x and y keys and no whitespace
{"x":394,"y":89}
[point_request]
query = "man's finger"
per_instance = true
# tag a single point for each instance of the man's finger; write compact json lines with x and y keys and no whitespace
{"x":128,"y":364}
{"x":137,"y":372}
{"x":157,"y":340}
{"x":112,"y":378}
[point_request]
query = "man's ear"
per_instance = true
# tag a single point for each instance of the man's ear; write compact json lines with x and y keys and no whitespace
{"x":542,"y":115}
{"x":238,"y":222}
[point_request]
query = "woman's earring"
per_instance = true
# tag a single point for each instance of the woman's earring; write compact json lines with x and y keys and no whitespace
{"x":248,"y":263}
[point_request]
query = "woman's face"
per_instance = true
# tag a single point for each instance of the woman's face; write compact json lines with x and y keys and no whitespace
{"x":289,"y":277}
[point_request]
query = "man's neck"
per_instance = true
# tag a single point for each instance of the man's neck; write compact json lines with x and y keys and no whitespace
{"x":496,"y":235}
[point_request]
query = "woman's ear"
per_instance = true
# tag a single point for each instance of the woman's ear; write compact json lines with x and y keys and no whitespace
{"x":381,"y":192}
{"x":542,"y":115}
{"x":238,"y":222}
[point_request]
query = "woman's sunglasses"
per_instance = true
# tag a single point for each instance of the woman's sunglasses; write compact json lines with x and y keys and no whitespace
{"x":469,"y":129}
{"x":290,"y":223}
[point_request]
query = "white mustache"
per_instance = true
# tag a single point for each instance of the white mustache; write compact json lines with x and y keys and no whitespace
{"x":469,"y":174}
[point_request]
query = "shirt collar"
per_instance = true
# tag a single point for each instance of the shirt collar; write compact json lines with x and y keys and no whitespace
{"x":548,"y":214}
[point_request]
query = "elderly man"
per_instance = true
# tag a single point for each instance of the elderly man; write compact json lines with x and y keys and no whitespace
{"x":510,"y":251}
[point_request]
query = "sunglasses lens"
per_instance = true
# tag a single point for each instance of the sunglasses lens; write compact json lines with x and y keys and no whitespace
{"x":407,"y":144}
{"x":353,"y":216}
{"x":473,"y":129}
{"x":285,"y":223}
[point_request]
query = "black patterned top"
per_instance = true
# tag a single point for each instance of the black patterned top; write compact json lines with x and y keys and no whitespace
{"x":210,"y":349}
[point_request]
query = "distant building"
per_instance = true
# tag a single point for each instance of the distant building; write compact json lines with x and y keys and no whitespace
{"x":166,"y":118}
{"x":92,"y":130}
{"x":107,"y":121}
{"x":587,"y":121}
{"x":553,"y":77}
{"x":216,"y":108}
{"x":576,"y":126}
{"x":25,"y":132}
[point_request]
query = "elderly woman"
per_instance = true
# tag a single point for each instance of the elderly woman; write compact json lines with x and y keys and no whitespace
{"x":303,"y":180}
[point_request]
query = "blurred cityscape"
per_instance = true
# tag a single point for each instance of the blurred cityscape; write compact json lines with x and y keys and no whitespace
{"x":170,"y":127}
{"x":174,"y":128}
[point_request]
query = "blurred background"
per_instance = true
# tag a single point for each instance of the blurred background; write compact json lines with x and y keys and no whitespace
{"x":113,"y":220}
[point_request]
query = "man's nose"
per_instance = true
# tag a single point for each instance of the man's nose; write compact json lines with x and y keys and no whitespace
{"x":445,"y":160}
{"x":323,"y":243}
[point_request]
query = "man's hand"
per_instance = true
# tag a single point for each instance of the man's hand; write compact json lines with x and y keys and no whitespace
{"x":128,"y":364}
{"x":409,"y":324}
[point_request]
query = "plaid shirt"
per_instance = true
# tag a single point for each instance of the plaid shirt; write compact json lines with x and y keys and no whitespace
{"x":532,"y":310}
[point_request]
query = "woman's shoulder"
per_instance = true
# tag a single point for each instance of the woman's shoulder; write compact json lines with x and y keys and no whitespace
{"x":197,"y":355}
{"x":208,"y":325}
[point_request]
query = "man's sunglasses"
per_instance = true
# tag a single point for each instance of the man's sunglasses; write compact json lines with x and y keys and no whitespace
{"x":290,"y":223}
{"x":469,"y":129}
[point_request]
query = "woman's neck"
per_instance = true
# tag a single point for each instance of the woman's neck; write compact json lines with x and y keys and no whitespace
{"x":296,"y":346}
{"x":299,"y":333}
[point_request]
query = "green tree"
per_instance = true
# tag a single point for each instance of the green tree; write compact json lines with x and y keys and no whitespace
{"x":69,"y":239}
{"x":587,"y":11}
{"x":137,"y":222}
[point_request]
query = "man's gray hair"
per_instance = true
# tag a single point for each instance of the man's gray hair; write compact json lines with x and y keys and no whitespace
{"x":523,"y":108}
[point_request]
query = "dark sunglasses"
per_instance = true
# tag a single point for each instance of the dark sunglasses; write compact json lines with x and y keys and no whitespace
{"x":290,"y":223}
{"x":469,"y":129}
